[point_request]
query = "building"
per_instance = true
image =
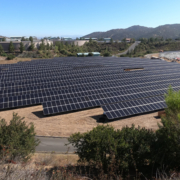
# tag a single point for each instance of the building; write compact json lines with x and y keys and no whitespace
{"x":16,"y":37}
{"x":1,"y":38}
{"x":94,"y":39}
{"x":72,"y":42}
{"x":128,"y":40}
{"x":52,"y":38}
{"x":66,"y":39}
{"x":107,"y":39}
{"x":87,"y":53}
{"x":5,"y":44}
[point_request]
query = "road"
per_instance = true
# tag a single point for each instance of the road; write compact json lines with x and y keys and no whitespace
{"x":49,"y":144}
{"x":132,"y":47}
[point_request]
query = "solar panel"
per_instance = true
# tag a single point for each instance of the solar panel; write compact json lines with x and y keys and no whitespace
{"x":129,"y":108}
{"x":71,"y":83}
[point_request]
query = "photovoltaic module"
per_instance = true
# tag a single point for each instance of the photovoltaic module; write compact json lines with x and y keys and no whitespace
{"x":121,"y":86}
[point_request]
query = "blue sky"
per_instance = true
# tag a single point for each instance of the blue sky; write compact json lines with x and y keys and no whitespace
{"x":75,"y":18}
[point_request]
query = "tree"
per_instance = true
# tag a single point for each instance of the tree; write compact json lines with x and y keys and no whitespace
{"x":11,"y":47}
{"x":90,"y":40}
{"x":31,"y":39}
{"x":169,"y":131}
{"x":42,"y":45}
{"x":47,"y":46}
{"x":111,"y":41}
{"x":21,"y":48}
{"x":31,"y":47}
{"x":106,"y":54}
{"x":124,"y":40}
{"x":95,"y":145}
{"x":1,"y":49}
{"x":127,"y":148}
{"x":132,"y":40}
{"x":10,"y":57}
{"x":90,"y":54}
{"x":23,"y":39}
{"x":17,"y":138}
{"x":3,"y":39}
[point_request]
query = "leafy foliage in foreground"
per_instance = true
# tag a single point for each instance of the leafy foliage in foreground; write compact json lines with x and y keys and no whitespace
{"x":127,"y":149}
{"x":169,"y":131}
{"x":135,"y":149}
{"x":17,"y":139}
{"x":10,"y":57}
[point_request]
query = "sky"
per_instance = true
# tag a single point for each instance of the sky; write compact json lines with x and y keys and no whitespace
{"x":76,"y":18}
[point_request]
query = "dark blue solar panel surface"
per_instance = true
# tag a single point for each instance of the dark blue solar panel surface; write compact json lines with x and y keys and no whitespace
{"x":68,"y":84}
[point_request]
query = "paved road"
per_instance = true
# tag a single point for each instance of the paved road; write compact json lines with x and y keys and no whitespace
{"x":49,"y":144}
{"x":132,"y":47}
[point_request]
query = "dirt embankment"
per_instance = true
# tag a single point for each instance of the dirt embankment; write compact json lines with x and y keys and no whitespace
{"x":63,"y":125}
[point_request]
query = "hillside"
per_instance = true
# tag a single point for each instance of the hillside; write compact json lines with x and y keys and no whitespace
{"x":166,"y":31}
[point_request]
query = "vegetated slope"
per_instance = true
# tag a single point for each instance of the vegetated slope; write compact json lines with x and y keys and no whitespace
{"x":166,"y":31}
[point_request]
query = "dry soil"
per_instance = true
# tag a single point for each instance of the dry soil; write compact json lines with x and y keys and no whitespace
{"x":64,"y":125}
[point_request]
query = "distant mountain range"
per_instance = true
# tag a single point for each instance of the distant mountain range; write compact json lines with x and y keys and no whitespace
{"x":165,"y":31}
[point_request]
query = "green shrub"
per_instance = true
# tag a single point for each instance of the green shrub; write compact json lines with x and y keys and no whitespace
{"x":11,"y":47}
{"x":17,"y":138}
{"x":134,"y":148}
{"x":148,"y":52}
{"x":123,"y":55}
{"x":169,"y":132}
{"x":71,"y":54}
{"x":64,"y":52}
{"x":1,"y":50}
{"x":129,"y":148}
{"x":4,"y":54}
{"x":10,"y":57}
{"x":94,"y":146}
{"x":106,"y":54}
{"x":90,"y":54}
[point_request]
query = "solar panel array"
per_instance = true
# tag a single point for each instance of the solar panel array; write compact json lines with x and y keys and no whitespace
{"x":68,"y":84}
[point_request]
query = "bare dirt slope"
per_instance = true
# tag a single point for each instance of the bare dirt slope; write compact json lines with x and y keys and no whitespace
{"x":82,"y":121}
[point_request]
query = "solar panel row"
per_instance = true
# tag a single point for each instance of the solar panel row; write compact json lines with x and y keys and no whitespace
{"x":67,"y":84}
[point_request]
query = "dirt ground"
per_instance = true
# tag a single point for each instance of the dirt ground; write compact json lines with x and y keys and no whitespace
{"x":63,"y":125}
{"x":15,"y":60}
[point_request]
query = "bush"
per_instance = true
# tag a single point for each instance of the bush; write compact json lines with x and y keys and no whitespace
{"x":1,"y":50}
{"x":11,"y":47}
{"x":148,"y":52}
{"x":106,"y":54}
{"x":134,"y":149}
{"x":127,"y":149}
{"x":17,"y":138}
{"x":93,"y":146}
{"x":4,"y":54}
{"x":90,"y":54}
{"x":169,"y":132}
{"x":10,"y":57}
{"x":64,"y":52}
{"x":123,"y":55}
{"x":71,"y":54}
